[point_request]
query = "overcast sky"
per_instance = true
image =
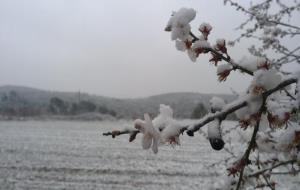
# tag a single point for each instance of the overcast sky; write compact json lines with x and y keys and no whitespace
{"x":113,"y":48}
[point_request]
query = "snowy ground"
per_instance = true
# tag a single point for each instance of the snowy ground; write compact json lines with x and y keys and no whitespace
{"x":75,"y":155}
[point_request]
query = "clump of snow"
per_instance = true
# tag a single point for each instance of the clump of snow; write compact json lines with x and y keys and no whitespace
{"x":253,"y":105}
{"x":249,"y":63}
{"x":151,"y":136}
{"x":162,"y":129}
{"x":205,"y":29}
{"x":263,"y":63}
{"x":192,"y":55}
{"x":264,"y":80}
{"x":277,"y":110}
{"x":223,"y":68}
{"x":287,"y":141}
{"x":164,"y":118}
{"x":265,"y":143}
{"x":214,"y":129}
{"x":180,"y":45}
{"x":201,"y":44}
{"x":216,"y":104}
{"x":179,"y":23}
{"x":171,"y":133}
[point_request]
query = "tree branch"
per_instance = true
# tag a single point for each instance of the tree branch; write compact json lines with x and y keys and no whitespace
{"x":218,"y":115}
{"x":251,"y":145}
{"x":256,"y":174}
{"x":227,"y":59}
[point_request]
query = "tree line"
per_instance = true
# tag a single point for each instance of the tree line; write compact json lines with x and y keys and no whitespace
{"x":12,"y":104}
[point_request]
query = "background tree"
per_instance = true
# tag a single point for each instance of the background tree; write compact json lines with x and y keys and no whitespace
{"x":199,"y":111}
{"x":57,"y":106}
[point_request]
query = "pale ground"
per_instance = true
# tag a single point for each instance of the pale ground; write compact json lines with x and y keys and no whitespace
{"x":74,"y":155}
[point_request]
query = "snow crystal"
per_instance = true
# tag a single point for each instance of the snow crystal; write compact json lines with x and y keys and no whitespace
{"x":224,"y":67}
{"x":179,"y":23}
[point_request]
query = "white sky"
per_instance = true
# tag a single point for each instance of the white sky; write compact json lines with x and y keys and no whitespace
{"x":113,"y":48}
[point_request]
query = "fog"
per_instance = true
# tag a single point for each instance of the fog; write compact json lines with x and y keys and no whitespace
{"x":111,"y":48}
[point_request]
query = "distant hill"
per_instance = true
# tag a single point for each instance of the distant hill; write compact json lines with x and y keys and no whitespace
{"x":183,"y":103}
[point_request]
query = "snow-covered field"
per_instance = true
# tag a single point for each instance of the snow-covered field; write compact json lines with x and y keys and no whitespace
{"x":75,"y":155}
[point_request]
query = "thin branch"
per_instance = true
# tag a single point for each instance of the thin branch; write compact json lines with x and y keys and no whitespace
{"x":116,"y":133}
{"x":256,"y":174}
{"x":251,"y":145}
{"x":286,"y":173}
{"x":227,"y":59}
{"x":239,"y":7}
{"x":289,"y":94}
{"x":219,"y":115}
{"x":268,"y":183}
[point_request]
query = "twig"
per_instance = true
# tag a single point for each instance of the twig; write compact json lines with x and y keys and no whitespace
{"x":227,"y":59}
{"x":271,"y":168}
{"x":250,"y":146}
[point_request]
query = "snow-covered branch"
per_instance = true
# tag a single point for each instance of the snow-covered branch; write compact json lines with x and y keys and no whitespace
{"x":267,"y":105}
{"x":232,"y":107}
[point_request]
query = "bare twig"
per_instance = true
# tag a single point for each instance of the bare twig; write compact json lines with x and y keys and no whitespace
{"x":256,"y":174}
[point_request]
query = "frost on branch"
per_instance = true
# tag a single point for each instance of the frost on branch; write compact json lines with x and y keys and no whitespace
{"x":214,"y":133}
{"x":163,"y":129}
{"x":179,"y":25}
